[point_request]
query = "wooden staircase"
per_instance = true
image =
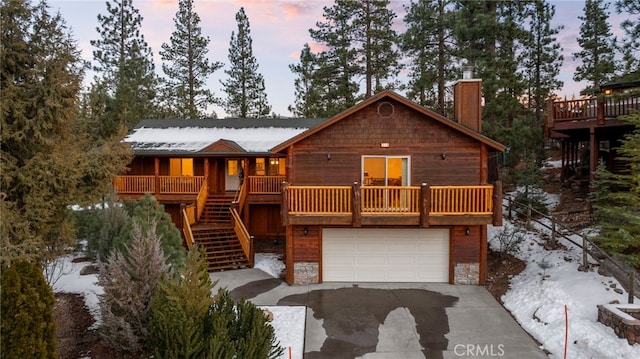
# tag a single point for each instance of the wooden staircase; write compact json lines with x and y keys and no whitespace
{"x":215,"y":233}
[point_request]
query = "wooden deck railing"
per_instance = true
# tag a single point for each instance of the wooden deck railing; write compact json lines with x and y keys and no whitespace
{"x":165,"y":184}
{"x":443,"y":200}
{"x":591,"y":108}
{"x":461,"y":200}
{"x":398,"y":200}
{"x":265,"y":184}
{"x":319,"y":199}
{"x":183,"y":184}
{"x":135,"y":184}
{"x":243,"y":235}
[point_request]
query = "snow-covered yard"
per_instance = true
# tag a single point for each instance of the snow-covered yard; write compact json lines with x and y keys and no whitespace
{"x":551,"y":281}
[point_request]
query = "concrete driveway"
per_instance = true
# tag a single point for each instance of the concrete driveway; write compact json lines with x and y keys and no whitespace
{"x":391,"y":320}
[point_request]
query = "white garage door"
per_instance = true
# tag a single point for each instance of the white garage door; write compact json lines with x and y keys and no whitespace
{"x":385,"y":255}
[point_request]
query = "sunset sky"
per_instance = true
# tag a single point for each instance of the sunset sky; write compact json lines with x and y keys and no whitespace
{"x":279,"y":29}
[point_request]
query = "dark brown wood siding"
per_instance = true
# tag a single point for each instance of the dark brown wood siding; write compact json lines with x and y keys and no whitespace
{"x":466,"y":248}
{"x":333,"y":156}
{"x":264,"y":221}
{"x":306,"y":248}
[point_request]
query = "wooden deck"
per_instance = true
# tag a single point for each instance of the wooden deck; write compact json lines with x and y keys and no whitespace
{"x":354,"y":205}
{"x":588,"y":112}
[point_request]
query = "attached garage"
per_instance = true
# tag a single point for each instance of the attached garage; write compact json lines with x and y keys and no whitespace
{"x":385,"y":255}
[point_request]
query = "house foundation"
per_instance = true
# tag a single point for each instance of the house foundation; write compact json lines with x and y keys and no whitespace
{"x":466,"y":273}
{"x":306,"y":273}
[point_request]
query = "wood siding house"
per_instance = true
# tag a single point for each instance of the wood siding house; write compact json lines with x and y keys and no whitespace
{"x":385,"y":191}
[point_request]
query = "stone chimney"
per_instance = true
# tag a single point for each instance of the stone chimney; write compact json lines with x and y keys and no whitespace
{"x":467,"y":99}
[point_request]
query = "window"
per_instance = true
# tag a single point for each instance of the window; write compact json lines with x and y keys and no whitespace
{"x":385,"y":171}
{"x":181,"y":167}
{"x":232,"y":167}
{"x":276,"y":166}
{"x":260,"y":169}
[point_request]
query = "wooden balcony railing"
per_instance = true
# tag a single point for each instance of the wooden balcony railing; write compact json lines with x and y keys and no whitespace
{"x":384,"y":200}
{"x":184,"y":184}
{"x":443,"y":200}
{"x":461,"y":200}
{"x":186,"y":226}
{"x":319,"y":199}
{"x":591,"y":108}
{"x":135,"y":184}
{"x":160,"y":184}
{"x":265,"y":184}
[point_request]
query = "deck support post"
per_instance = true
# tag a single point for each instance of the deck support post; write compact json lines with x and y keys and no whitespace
{"x":497,"y":203}
{"x":593,"y":154}
{"x":356,"y":200}
{"x":284,"y":207}
{"x":156,"y":173}
{"x":425,"y":205}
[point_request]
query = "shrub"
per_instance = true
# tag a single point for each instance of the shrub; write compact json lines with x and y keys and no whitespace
{"x":28,"y":328}
{"x":102,"y":227}
{"x":240,"y":330}
{"x":509,"y":239}
{"x":181,"y":305}
{"x":130,"y":279}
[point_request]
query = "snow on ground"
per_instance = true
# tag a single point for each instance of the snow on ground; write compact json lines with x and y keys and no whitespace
{"x":551,"y":280}
{"x":288,"y":322}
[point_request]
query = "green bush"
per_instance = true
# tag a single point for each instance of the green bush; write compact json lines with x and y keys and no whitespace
{"x":187,"y":322}
{"x":28,"y":328}
{"x":240,"y":330}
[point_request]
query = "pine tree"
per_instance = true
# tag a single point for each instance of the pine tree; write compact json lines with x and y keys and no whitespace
{"x":28,"y":329}
{"x":631,"y":44}
{"x":246,"y":96}
{"x":616,"y":200}
{"x":187,"y":66}
{"x":376,"y":44}
{"x":542,"y":58}
{"x":428,"y":43}
{"x":597,"y":47}
{"x":125,"y":66}
{"x":47,"y":161}
{"x":308,"y":94}
{"x":240,"y":330}
{"x":130,"y":279}
{"x":338,"y":65}
{"x":182,"y":306}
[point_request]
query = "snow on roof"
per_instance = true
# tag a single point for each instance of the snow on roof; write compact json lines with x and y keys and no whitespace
{"x":194,"y":139}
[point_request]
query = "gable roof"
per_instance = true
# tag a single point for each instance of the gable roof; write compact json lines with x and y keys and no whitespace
{"x":208,"y":136}
{"x":390,"y":94}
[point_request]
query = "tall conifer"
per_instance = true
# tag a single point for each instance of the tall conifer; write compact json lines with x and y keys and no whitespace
{"x":246,"y":96}
{"x":186,"y":65}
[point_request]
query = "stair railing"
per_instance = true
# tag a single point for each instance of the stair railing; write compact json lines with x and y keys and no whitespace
{"x":201,"y":200}
{"x":246,"y":240}
{"x":241,"y":195}
{"x":186,"y":227}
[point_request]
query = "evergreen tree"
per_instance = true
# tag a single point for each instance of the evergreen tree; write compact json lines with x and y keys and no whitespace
{"x":631,"y":44}
{"x":47,"y":161}
{"x":428,"y":43}
{"x":125,"y":64}
{"x":27,"y":326}
{"x":616,"y":200}
{"x":130,"y":279}
{"x":308,"y":94}
{"x":338,"y":65}
{"x":182,"y":306}
{"x":240,"y":330}
{"x":146,"y":211}
{"x":246,"y":96}
{"x":187,"y":66}
{"x":597,"y":47}
{"x":376,"y":44}
{"x":542,"y":58}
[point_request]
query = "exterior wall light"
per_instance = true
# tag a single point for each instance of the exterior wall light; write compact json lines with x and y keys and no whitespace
{"x":466,"y":231}
{"x":444,"y":155}
{"x":306,"y":231}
